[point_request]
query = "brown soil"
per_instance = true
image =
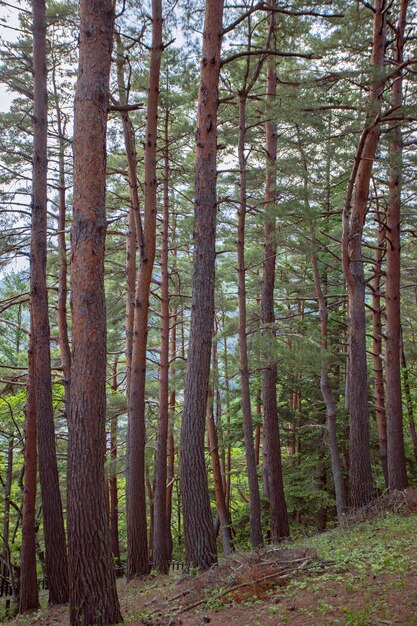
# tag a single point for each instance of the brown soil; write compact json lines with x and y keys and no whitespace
{"x":253,"y":591}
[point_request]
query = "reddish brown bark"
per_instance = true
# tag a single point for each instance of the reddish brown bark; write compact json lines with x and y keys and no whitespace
{"x":381,"y":421}
{"x":29,"y":598}
{"x":137,"y":548}
{"x":279,"y":515}
{"x":160,"y":557}
{"x":397,"y":471}
{"x":353,"y":222}
{"x":93,"y":596}
{"x":53,"y":527}
{"x":200,"y":543}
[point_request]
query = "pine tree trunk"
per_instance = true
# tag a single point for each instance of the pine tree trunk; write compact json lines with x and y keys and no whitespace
{"x":339,"y":483}
{"x":255,"y":501}
{"x":354,"y":214}
{"x":113,"y":490}
{"x":200,"y":542}
{"x":171,"y":440}
{"x":137,"y":548}
{"x":54,"y":533}
{"x":377,"y":352}
{"x":93,"y":596}
{"x":409,"y":401}
{"x":62,"y":317}
{"x":279,"y":516}
{"x":28,"y":598}
{"x":397,"y":471}
{"x":160,"y":557}
{"x":223,"y":514}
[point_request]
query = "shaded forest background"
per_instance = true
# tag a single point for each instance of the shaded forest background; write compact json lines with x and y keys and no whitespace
{"x":259,"y":371}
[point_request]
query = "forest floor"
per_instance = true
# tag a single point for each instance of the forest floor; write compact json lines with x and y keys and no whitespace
{"x":361,"y":574}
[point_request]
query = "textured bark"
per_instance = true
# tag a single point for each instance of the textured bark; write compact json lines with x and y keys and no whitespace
{"x":137,"y":548}
{"x":54,"y":534}
{"x":354,"y":214}
{"x":200,"y":543}
{"x":279,"y":516}
{"x":93,"y":597}
{"x":381,"y":421}
{"x":255,"y":501}
{"x":397,"y":472}
{"x":222,"y":511}
{"x":339,"y":483}
{"x":29,"y":598}
{"x":160,"y":557}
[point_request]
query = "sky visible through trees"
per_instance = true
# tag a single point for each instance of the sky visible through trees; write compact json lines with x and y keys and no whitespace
{"x":207,"y":282}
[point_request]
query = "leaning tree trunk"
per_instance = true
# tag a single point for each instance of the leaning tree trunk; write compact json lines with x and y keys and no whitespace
{"x":53,"y":526}
{"x":137,"y":548}
{"x":279,"y":516}
{"x":354,"y":214}
{"x":397,"y":472}
{"x":28,"y":597}
{"x":200,"y":543}
{"x":93,"y":596}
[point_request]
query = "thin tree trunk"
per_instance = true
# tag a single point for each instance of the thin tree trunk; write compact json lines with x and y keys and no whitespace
{"x":217,"y":476}
{"x":160,"y":557}
{"x":171,"y":440}
{"x":397,"y":471}
{"x":279,"y":516}
{"x":53,"y":527}
{"x":255,"y":501}
{"x":339,"y":483}
{"x":354,"y":214}
{"x":229,"y":447}
{"x":134,"y":233}
{"x":28,"y":597}
{"x":113,"y":490}
{"x":409,"y":400}
{"x":5,"y":564}
{"x":93,"y":596}
{"x":381,"y":421}
{"x":62,"y":317}
{"x":200,"y":542}
{"x":137,"y":548}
